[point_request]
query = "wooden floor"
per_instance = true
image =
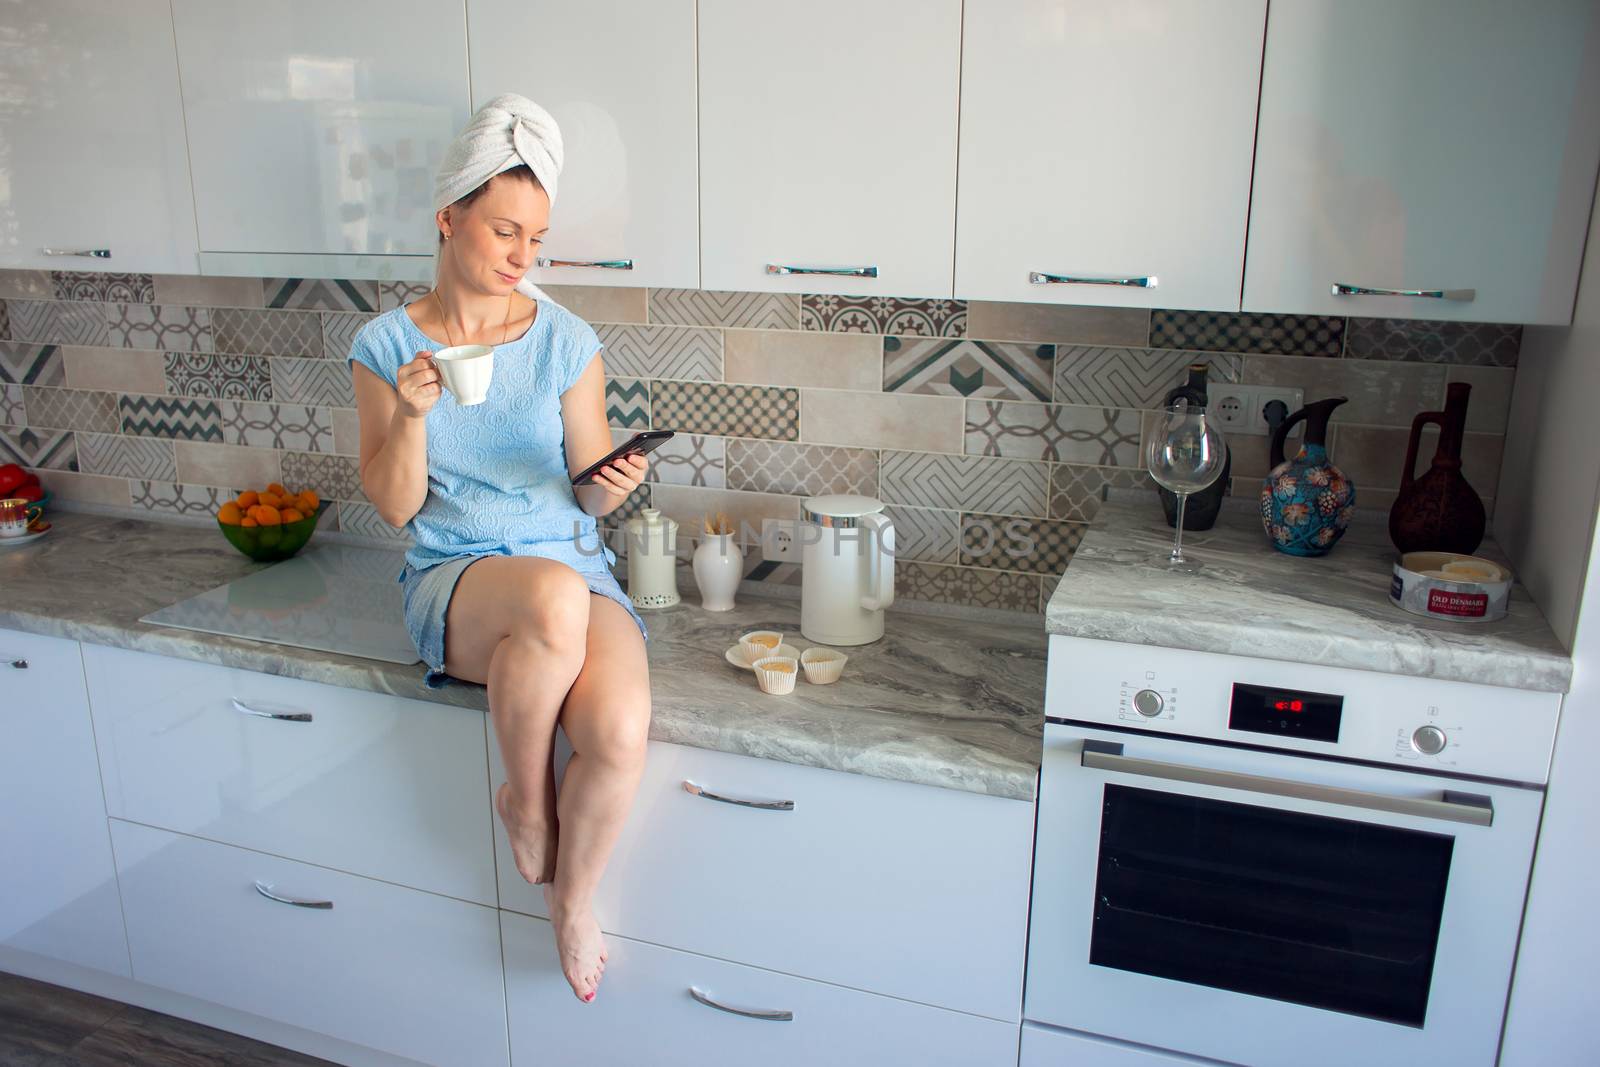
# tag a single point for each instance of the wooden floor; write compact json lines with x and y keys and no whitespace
{"x":45,"y":1024}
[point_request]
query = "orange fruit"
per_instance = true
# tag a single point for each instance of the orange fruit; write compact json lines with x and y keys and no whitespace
{"x":309,"y":500}
{"x":230,"y":513}
{"x":291,"y":515}
{"x":248,"y":522}
{"x":267,"y":515}
{"x":272,"y":500}
{"x":277,"y":489}
{"x":248,"y":499}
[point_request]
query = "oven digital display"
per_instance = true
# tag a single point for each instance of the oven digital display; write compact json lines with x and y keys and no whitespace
{"x":1285,"y":712}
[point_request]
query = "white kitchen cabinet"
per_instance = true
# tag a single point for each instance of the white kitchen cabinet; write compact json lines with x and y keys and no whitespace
{"x":315,"y":129}
{"x":1109,"y":143}
{"x":58,"y":895}
{"x":92,"y":150}
{"x":373,"y":784}
{"x":1429,"y":145}
{"x":910,"y":890}
{"x":618,"y":76}
{"x":394,"y":969}
{"x":650,"y":1011}
{"x":828,"y":140}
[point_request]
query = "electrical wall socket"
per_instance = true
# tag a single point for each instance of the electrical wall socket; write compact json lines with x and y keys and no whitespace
{"x":778,"y":543}
{"x":1238,"y":407}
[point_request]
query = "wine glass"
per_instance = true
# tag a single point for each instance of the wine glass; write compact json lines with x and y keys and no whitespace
{"x":1183,"y":454}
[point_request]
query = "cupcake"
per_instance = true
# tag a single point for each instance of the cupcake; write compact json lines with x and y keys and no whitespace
{"x":822,"y":665}
{"x":776,"y":674}
{"x":758,"y":643}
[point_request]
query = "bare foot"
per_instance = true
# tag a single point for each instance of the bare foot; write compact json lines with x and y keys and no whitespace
{"x":533,"y":842}
{"x":580,"y":947}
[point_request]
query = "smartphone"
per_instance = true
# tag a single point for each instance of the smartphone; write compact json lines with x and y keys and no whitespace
{"x":638,"y":444}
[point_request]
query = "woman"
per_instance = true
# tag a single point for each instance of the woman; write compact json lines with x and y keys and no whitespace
{"x":507,"y":583}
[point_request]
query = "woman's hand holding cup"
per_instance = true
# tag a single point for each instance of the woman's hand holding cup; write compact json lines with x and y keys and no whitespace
{"x":417,"y":384}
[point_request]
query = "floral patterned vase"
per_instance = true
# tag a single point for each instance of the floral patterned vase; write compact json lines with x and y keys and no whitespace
{"x":1306,"y":502}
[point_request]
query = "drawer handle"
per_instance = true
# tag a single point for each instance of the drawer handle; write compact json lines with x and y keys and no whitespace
{"x":748,"y":1013}
{"x":20,"y":664}
{"x":1342,"y":289}
{"x":265,"y":890}
{"x":94,"y":253}
{"x":1040,"y":278}
{"x":285,"y":716}
{"x":841,"y":272}
{"x":604,"y":264}
{"x":765,"y":805}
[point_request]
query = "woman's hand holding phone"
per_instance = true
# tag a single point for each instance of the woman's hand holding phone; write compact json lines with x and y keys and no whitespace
{"x":417,"y":384}
{"x":622,"y":476}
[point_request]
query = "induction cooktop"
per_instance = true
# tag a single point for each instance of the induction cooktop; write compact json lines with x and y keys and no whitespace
{"x":331,"y":597}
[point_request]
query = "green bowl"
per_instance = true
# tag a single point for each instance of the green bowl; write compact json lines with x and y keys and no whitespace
{"x":269,"y":544}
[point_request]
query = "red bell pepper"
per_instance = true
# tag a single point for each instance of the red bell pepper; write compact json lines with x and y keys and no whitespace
{"x":11,"y":476}
{"x":29,"y":493}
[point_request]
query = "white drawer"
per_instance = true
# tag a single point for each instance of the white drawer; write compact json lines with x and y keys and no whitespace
{"x":646,"y":1014}
{"x":1045,"y":1046}
{"x":58,"y":892}
{"x":909,"y":890}
{"x":376,"y":785}
{"x":395,"y":969}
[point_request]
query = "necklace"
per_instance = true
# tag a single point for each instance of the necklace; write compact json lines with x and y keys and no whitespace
{"x":504,"y":327}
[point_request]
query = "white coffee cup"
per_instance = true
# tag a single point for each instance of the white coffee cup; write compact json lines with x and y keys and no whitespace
{"x":465,"y":370}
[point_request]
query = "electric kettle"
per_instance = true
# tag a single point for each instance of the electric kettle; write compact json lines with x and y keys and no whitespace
{"x":846,"y":570}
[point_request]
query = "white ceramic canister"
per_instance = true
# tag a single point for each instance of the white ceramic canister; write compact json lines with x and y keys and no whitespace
{"x":718,"y":565}
{"x":652,"y":559}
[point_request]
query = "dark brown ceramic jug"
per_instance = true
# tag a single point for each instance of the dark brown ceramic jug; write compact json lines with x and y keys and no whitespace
{"x":1438,"y":512}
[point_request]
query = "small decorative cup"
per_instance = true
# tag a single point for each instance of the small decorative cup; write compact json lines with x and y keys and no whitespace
{"x":465,"y":371}
{"x":776,"y":674}
{"x":822,"y":665}
{"x":758,"y":643}
{"x":15,"y":516}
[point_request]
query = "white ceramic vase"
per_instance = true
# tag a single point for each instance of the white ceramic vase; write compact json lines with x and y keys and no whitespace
{"x":718,"y":565}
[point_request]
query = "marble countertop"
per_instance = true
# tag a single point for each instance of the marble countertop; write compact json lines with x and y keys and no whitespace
{"x":939,"y":700}
{"x":1250,"y":599}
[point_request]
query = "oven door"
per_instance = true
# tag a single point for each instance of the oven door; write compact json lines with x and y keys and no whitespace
{"x":1264,"y":908}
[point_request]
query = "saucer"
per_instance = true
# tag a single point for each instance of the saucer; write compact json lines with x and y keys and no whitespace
{"x":736,"y":656}
{"x":27,"y":538}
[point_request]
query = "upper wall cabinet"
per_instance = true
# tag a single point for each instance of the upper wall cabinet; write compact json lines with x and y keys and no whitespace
{"x":627,"y":206}
{"x":91,"y":138}
{"x":315,"y":130}
{"x":1105,"y":151}
{"x":1440,"y":146}
{"x":828,"y":142}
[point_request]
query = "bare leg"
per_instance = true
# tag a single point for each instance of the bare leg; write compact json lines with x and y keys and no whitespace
{"x":530,"y":616}
{"x":607,"y":719}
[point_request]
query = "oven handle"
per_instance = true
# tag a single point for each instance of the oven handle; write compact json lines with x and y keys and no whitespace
{"x":1456,"y":807}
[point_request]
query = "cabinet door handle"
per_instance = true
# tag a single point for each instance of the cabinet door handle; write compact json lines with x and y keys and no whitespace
{"x":265,"y":889}
{"x":20,"y":664}
{"x":841,"y":272}
{"x":285,"y":716}
{"x":605,"y":264}
{"x":1040,"y":278}
{"x":1342,"y":289}
{"x":94,"y":253}
{"x":748,"y":1013}
{"x":765,"y":805}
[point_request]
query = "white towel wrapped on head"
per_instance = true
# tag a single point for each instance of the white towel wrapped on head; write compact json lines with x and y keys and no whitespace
{"x":508,"y":131}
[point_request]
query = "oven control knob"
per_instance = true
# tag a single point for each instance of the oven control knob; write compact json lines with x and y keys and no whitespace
{"x":1428,"y":740}
{"x":1148,"y":702}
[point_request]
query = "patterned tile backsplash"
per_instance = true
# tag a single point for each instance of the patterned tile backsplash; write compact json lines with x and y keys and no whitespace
{"x":991,"y":431}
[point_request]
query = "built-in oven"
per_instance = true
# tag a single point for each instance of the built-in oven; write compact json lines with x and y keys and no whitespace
{"x":1266,"y":863}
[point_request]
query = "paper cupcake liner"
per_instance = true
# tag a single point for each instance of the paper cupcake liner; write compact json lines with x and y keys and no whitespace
{"x":822,"y":665}
{"x":754,"y":651}
{"x":776,"y":674}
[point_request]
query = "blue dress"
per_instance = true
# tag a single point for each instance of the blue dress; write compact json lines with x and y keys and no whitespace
{"x":497,"y":471}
